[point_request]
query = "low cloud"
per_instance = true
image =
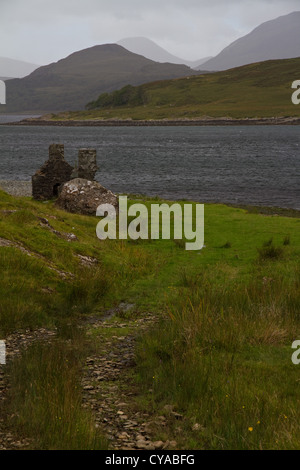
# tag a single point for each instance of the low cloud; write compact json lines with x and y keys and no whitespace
{"x":43,"y":31}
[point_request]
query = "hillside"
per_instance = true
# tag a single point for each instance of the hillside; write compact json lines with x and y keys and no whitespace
{"x":71,"y":82}
{"x":151,"y":50}
{"x":174,"y":321}
{"x":15,"y":68}
{"x":275,"y":39}
{"x":256,"y":90}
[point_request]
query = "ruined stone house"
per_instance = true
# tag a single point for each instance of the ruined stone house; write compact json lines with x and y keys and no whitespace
{"x":55,"y":171}
{"x":50,"y":178}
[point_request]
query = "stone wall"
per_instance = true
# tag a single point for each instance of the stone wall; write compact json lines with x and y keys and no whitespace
{"x":48,"y":179}
{"x":87,"y":165}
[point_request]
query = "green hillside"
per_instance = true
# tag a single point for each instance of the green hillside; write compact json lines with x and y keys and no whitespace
{"x":258,"y":90}
{"x":219,"y":353}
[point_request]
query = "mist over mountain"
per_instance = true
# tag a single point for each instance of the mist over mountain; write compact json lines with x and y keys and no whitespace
{"x":275,"y":39}
{"x":151,"y":50}
{"x":11,"y":68}
{"x":72,"y":82}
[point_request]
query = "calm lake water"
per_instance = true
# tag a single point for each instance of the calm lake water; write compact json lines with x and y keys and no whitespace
{"x":258,"y":165}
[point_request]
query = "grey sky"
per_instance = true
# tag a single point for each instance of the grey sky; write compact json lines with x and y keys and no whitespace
{"x":44,"y":31}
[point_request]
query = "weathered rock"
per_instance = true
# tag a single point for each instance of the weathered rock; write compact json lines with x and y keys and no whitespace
{"x":82,"y":196}
{"x":47,"y":181}
{"x":141,"y":444}
{"x":198,"y":427}
{"x":158,"y":444}
{"x":70,"y":237}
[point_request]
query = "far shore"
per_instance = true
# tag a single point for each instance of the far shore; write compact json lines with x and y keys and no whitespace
{"x":18,"y":188}
{"x":159,"y":122}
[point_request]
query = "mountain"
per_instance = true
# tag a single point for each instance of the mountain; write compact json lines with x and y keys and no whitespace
{"x":79,"y":78}
{"x":259,"y":90}
{"x":275,"y":39}
{"x":196,"y":63}
{"x":153,"y":51}
{"x":15,"y":68}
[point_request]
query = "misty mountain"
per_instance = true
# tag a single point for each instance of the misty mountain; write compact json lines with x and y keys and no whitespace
{"x":153,"y":51}
{"x":275,"y":39}
{"x":15,"y":68}
{"x":79,"y":78}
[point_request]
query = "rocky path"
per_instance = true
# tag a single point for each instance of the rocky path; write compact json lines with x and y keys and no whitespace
{"x":109,"y":390}
{"x":107,"y":383}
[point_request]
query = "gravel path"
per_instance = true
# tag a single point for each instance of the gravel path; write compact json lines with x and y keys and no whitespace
{"x":17,"y":188}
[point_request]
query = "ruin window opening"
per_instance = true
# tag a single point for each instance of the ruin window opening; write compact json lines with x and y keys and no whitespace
{"x":55,"y":189}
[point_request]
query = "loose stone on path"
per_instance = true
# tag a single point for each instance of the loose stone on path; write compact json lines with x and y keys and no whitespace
{"x":109,"y":397}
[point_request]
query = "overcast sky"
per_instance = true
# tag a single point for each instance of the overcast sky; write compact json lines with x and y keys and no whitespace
{"x":44,"y":31}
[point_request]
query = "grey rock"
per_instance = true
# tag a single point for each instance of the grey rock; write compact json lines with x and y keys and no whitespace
{"x":83,"y":196}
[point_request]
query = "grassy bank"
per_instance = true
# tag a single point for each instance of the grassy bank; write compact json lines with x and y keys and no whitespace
{"x":221,"y":355}
{"x":260,"y":90}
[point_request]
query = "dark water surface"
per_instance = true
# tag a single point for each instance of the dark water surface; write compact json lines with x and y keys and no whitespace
{"x":258,"y":165}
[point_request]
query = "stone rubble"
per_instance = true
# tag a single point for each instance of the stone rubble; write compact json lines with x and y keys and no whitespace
{"x":109,"y":396}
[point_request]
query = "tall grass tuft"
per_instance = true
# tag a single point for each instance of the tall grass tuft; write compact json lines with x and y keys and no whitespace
{"x":47,"y":400}
{"x":219,"y":348}
{"x":269,"y":251}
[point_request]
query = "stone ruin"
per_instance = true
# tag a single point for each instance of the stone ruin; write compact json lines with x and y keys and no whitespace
{"x":50,"y":178}
{"x":54,"y":172}
{"x":87,"y":165}
{"x":75,"y":188}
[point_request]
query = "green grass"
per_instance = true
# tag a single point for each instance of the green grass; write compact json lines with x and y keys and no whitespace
{"x":221,"y":353}
{"x":224,"y":359}
{"x":33,"y":292}
{"x":46,"y":400}
{"x":253,"y":91}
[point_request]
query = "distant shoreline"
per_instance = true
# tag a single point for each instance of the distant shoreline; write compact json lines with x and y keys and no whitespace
{"x":291,"y":121}
{"x":18,"y":188}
